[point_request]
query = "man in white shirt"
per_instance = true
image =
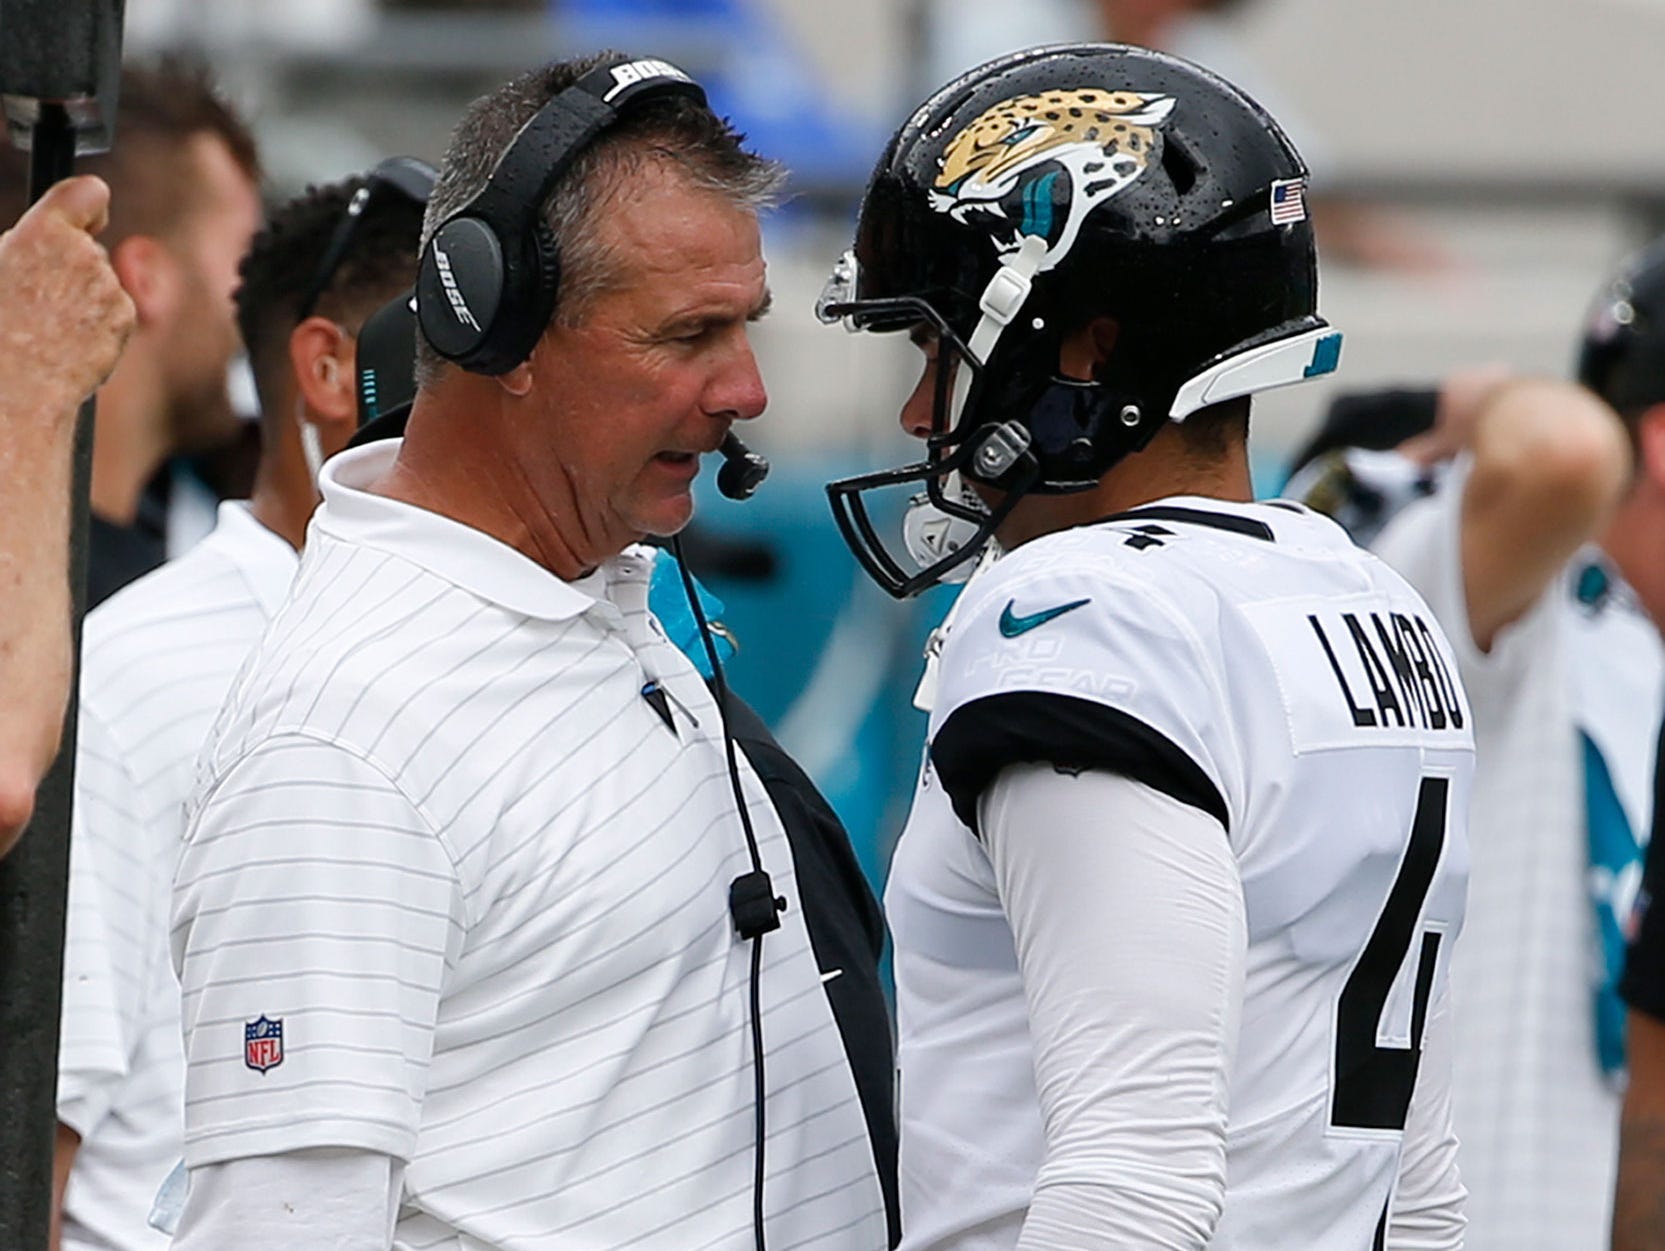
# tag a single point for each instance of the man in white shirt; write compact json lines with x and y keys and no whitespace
{"x":1540,"y":556}
{"x":62,"y":326}
{"x":486,"y":935}
{"x":158,"y":659}
{"x":1174,"y":905}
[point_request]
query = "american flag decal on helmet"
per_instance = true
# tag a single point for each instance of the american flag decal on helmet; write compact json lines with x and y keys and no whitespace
{"x":263,"y":1043}
{"x":1289,"y":201}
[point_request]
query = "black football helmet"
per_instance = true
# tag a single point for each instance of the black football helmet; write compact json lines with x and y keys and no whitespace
{"x":1036,"y":193}
{"x":1622,"y":358}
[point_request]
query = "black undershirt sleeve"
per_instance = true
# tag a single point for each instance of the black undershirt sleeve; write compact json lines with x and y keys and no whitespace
{"x":981,"y":738}
{"x":1643,"y":984}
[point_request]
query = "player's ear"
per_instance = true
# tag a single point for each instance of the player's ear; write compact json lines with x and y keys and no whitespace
{"x":1083,"y":353}
{"x":321,"y":359}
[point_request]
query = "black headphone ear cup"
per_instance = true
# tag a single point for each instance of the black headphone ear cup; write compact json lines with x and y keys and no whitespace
{"x":546,"y":264}
{"x":460,"y":292}
{"x":487,"y":280}
{"x":430,"y":301}
{"x":522,"y":301}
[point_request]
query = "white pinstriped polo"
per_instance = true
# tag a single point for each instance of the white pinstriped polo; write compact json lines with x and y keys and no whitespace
{"x":157,"y":659}
{"x":453,"y":891}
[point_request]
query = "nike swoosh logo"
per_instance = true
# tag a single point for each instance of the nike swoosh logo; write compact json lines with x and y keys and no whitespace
{"x":829,"y":975}
{"x":1012,"y":625}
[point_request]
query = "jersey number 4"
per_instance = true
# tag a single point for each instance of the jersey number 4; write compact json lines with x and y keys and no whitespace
{"x":1373,"y":1083}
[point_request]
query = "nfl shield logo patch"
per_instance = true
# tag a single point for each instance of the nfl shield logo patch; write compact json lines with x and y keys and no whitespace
{"x":263,"y":1044}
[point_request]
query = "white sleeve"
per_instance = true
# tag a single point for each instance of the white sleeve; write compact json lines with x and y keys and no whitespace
{"x":1127,"y":911}
{"x":116,"y":912}
{"x":316,"y":914}
{"x":324,"y":1199}
{"x":1428,"y":1202}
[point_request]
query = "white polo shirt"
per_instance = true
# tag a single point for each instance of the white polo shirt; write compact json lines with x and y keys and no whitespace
{"x":455,"y":892}
{"x":157,"y":660}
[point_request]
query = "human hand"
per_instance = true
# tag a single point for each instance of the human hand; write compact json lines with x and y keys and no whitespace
{"x":64,"y":316}
{"x":1462,"y":397}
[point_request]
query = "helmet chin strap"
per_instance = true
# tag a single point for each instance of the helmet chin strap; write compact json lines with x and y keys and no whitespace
{"x":1000,"y":303}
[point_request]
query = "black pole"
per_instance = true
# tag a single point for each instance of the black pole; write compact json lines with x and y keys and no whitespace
{"x":34,"y":878}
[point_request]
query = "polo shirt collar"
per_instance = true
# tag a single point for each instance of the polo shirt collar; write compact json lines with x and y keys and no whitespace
{"x":264,"y":559}
{"x":468,"y":558}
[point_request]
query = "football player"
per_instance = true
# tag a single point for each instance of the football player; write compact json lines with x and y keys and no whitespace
{"x":1186,"y":860}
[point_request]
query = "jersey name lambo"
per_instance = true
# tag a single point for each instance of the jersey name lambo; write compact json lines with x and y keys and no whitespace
{"x":1354,"y":668}
{"x":1388,"y":670}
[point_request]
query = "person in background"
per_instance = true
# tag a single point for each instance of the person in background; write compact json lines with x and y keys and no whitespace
{"x":1540,"y":554}
{"x":184,"y":179}
{"x":1375,"y":451}
{"x":158,"y":658}
{"x":63,"y":320}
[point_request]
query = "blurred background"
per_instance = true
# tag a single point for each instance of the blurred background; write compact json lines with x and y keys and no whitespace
{"x":1477,"y":168}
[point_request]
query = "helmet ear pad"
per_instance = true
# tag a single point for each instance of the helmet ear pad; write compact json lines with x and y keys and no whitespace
{"x":1077,"y":426}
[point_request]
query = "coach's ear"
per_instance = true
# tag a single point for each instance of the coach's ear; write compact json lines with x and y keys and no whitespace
{"x":323,"y":362}
{"x":517,"y":381}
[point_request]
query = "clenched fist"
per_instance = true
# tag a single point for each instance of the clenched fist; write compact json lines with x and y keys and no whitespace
{"x":63,"y":314}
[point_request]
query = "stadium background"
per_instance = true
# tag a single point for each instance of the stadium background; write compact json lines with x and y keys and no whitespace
{"x":1519,"y":137}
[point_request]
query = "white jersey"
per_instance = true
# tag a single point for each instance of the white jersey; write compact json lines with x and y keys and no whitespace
{"x":1248,"y":661}
{"x":455,"y":890}
{"x":157,"y":660}
{"x":1538,"y":1121}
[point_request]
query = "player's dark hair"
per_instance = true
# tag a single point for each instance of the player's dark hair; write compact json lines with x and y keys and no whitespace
{"x":285,"y":256}
{"x":154,"y":178}
{"x":1209,"y":433}
{"x":701,"y":147}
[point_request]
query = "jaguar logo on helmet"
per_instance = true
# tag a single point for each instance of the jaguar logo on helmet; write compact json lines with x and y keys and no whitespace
{"x":1049,"y":193}
{"x":1039,"y":164}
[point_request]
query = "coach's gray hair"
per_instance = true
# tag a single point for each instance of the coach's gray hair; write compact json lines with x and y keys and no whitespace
{"x":702,"y":148}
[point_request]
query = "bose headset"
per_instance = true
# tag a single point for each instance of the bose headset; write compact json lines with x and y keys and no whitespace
{"x":488,"y":278}
{"x":485,"y":291}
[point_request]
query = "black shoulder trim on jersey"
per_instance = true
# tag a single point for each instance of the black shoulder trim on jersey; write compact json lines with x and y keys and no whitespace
{"x":1249,"y":526}
{"x":1288,"y":506}
{"x":1020,"y":727}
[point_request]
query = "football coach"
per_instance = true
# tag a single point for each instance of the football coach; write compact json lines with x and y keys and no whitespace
{"x":487,"y":935}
